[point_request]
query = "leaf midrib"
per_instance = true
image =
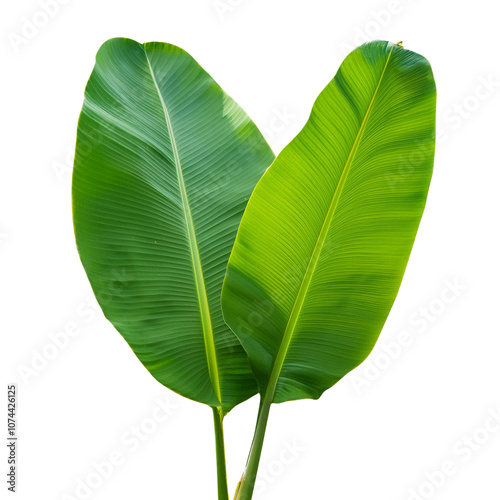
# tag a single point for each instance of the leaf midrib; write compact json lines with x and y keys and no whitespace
{"x":201,"y":291}
{"x":313,"y":261}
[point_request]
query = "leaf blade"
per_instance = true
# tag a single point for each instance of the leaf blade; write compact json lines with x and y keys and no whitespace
{"x":201,"y":292}
{"x":157,"y":196}
{"x":306,"y":348}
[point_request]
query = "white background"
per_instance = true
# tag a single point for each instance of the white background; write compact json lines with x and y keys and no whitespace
{"x":384,"y":428}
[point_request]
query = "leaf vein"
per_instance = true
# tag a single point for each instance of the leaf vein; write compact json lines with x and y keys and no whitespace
{"x":313,"y":261}
{"x":201,"y":291}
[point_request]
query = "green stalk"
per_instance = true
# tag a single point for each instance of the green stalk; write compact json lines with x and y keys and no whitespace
{"x":221,"y":455}
{"x":247,"y":482}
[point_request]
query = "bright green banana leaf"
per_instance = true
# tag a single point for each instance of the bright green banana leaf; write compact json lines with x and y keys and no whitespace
{"x":165,"y":163}
{"x":326,"y":236}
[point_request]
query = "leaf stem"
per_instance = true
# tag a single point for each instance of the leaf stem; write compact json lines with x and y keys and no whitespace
{"x":247,"y":483}
{"x":221,"y":455}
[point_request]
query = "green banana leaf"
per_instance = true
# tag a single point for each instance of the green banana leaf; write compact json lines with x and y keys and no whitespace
{"x":165,"y":163}
{"x":327,"y":233}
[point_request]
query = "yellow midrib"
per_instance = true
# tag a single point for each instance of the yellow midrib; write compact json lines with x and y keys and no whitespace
{"x":201,"y":291}
{"x":313,"y":261}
